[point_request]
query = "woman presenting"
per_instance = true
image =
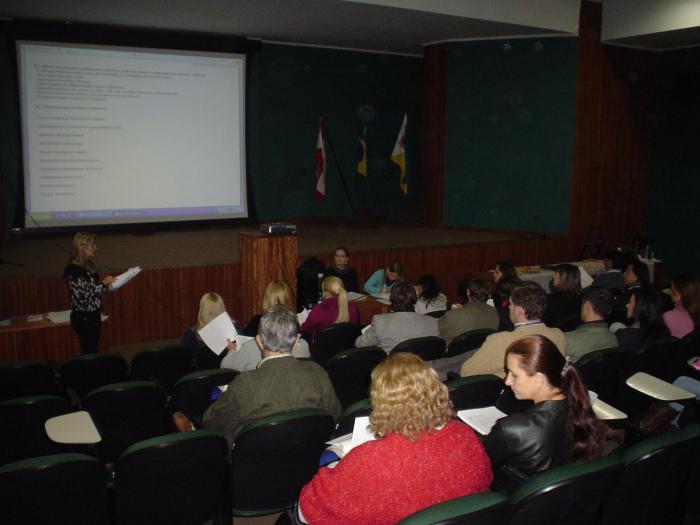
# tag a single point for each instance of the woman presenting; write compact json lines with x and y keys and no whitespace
{"x":86,"y":289}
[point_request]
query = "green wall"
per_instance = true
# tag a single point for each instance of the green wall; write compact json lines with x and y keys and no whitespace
{"x":510,"y":133}
{"x":288,"y":88}
{"x":673,"y":217}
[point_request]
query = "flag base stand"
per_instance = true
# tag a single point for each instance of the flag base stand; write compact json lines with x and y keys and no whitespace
{"x":364,"y":218}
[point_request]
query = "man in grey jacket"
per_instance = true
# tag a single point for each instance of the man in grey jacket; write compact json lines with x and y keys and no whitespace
{"x":279,"y":383}
{"x":474,"y":315}
{"x":388,"y":330}
{"x":593,"y":334}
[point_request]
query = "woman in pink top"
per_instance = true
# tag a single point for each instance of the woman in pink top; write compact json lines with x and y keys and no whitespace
{"x":421,"y":457}
{"x":685,"y":292}
{"x":334,"y":308}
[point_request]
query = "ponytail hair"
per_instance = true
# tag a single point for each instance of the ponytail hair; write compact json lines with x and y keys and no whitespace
{"x":334,"y":286}
{"x":585,"y":433}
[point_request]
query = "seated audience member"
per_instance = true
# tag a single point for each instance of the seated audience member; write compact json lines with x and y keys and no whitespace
{"x":560,"y":427}
{"x":247,"y":357}
{"x":276,"y":292}
{"x":505,"y":276}
{"x":594,"y":334}
{"x":429,"y":297}
{"x":611,"y":278}
{"x":422,"y":455}
{"x":279,"y":383}
{"x":685,"y":316}
{"x":644,"y":311}
{"x":341,"y":269}
{"x":474,"y":315}
{"x":564,"y":301}
{"x":384,"y":279}
{"x":636,"y":274}
{"x":333,"y":309}
{"x":527,"y":305}
{"x":211,"y":305}
{"x":462,"y":290}
{"x":388,"y":330}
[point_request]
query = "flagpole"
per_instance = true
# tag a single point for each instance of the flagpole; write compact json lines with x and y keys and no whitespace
{"x":364,"y":182}
{"x":337,"y":165}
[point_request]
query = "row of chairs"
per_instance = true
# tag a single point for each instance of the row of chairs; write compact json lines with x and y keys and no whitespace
{"x":174,"y":479}
{"x":80,"y":375}
{"x":340,"y":337}
{"x":645,"y":484}
{"x":124,"y":413}
{"x":605,"y":371}
{"x":184,"y":478}
{"x":180,"y":478}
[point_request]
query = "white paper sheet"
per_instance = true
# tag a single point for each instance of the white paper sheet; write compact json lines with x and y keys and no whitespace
{"x":481,"y":419}
{"x":218,"y":332}
{"x":59,"y":317}
{"x":360,"y":434}
{"x":121,"y":279}
{"x":382,"y":297}
{"x":354,"y":296}
{"x":301,"y":316}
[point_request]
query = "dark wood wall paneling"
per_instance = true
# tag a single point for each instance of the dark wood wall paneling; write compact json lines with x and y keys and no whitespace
{"x":163,"y":303}
{"x":433,"y":135}
{"x":614,"y":100}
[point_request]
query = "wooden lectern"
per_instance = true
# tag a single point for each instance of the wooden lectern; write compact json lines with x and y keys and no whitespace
{"x":265,"y":258}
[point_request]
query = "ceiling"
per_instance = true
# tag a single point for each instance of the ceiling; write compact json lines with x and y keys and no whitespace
{"x":335,"y":23}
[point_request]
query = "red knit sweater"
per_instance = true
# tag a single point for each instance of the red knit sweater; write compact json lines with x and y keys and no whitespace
{"x":383,"y":481}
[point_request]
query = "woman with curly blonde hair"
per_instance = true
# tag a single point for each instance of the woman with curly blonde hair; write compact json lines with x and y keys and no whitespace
{"x":421,"y":457}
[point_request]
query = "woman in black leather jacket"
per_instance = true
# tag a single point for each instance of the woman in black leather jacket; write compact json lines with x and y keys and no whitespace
{"x":559,"y":428}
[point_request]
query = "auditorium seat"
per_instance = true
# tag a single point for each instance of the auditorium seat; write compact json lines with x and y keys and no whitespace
{"x":346,"y":421}
{"x":125,"y":413}
{"x":27,"y":378}
{"x":428,"y":348}
{"x":174,"y":479}
{"x":568,"y":323}
{"x":22,"y":433}
{"x":87,"y":372}
{"x":601,"y":370}
{"x":274,"y":457}
{"x":470,"y":340}
{"x":652,"y":358}
{"x":653,"y":487}
{"x":61,"y":489}
{"x":163,"y":365}
{"x":474,"y":391}
{"x":192,"y":394}
{"x":333,"y":339}
{"x":350,"y":371}
{"x":573,"y":493}
{"x":486,"y":508}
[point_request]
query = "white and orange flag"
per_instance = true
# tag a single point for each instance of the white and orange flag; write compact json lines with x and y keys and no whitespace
{"x":398,"y":156}
{"x":320,"y":192}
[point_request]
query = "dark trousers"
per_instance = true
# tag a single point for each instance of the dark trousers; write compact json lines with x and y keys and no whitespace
{"x":87,"y":325}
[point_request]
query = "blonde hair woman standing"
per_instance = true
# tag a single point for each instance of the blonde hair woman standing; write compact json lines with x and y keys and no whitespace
{"x":334,"y":308}
{"x":86,"y":289}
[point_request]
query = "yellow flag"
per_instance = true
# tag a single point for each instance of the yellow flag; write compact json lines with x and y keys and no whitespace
{"x":362,"y":163}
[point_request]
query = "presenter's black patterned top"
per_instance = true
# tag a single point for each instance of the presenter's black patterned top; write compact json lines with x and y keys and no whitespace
{"x":85,"y":289}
